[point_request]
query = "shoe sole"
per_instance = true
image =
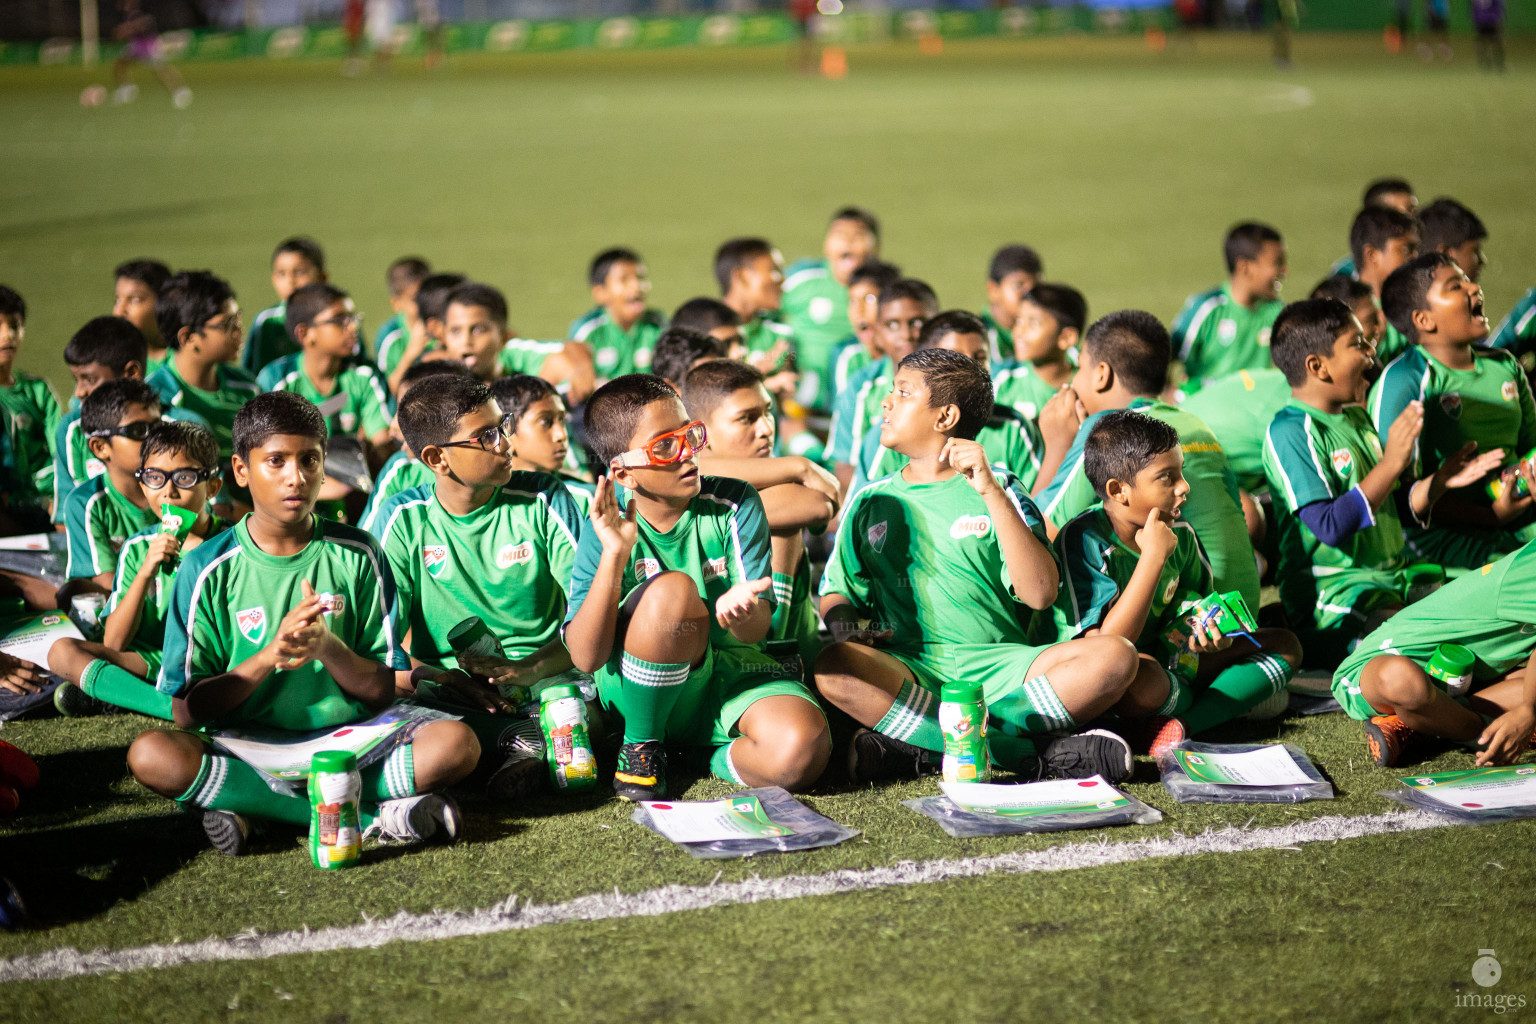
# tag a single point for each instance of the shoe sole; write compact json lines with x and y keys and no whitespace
{"x":224,"y":832}
{"x":440,"y":821}
{"x":515,"y":780}
{"x":1381,"y":751}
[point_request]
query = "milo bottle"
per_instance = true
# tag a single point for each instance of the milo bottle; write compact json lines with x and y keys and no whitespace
{"x":479,"y":653}
{"x":963,"y":721}
{"x":567,"y":741}
{"x":1451,"y":668}
{"x":335,"y":840}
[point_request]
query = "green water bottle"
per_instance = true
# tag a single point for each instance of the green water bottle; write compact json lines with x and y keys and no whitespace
{"x":567,"y":740}
{"x":1451,"y":667}
{"x":335,"y":787}
{"x":963,"y":721}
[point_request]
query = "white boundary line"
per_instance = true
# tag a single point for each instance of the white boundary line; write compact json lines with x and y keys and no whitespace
{"x":510,"y":915}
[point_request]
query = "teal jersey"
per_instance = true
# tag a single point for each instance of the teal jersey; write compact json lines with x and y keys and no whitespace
{"x":358,"y":398}
{"x":615,"y":351}
{"x":1010,"y":441}
{"x":1096,"y":567}
{"x":999,"y":338}
{"x":1239,"y":409}
{"x":266,"y":340}
{"x":400,"y":472}
{"x":1214,"y":335}
{"x":98,"y":520}
{"x":1343,"y":265}
{"x":523,"y":355}
{"x":32,"y":420}
{"x":582,"y":492}
{"x":150,"y":635}
{"x":1392,"y":344}
{"x":923,"y":561}
{"x":390,"y":343}
{"x":857,"y":408}
{"x":1517,"y":332}
{"x":151,"y":364}
{"x":1019,"y":386}
{"x":507,"y":563}
{"x":230,"y":598}
{"x":217,"y":408}
{"x":720,"y":540}
{"x":815,"y":309}
{"x":849,"y":356}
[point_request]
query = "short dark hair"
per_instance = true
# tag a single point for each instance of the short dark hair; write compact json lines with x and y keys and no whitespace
{"x":951,"y":321}
{"x":678,"y":348}
{"x":1011,"y":259}
{"x":406,"y":271}
{"x":909,"y":288}
{"x":1384,"y":187}
{"x":109,"y":340}
{"x":1065,"y":304}
{"x":152,"y":274}
{"x":1375,"y":226}
{"x":877,"y":272}
{"x":1406,"y":290}
{"x":190,"y":299}
{"x":517,"y":393}
{"x":308,"y":302}
{"x":276,"y":412}
{"x":709,"y":383}
{"x":1307,"y":328}
{"x":474,"y":293}
{"x":193,"y":439}
{"x":303,"y":246}
{"x":1246,"y":241}
{"x":12,"y":304}
{"x":614,"y":410}
{"x":1136,"y":346}
{"x":1348,"y":290}
{"x":103,"y":408}
{"x":602,"y":264}
{"x":705,"y":315}
{"x":432,"y":294}
{"x":870,"y":222}
{"x":1121,"y":444}
{"x":430,"y":412}
{"x":952,"y":379}
{"x":1445,"y":224}
{"x":735,"y":254}
{"x":424,"y":368}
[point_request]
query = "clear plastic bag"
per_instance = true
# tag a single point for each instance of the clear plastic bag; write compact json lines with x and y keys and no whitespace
{"x":1472,"y":808}
{"x":810,"y":830}
{"x":1191,"y":791}
{"x":964,"y":824}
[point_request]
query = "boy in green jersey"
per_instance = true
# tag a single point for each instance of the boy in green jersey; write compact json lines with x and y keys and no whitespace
{"x":1516,"y":333}
{"x":1449,"y":227}
{"x":402,"y":470}
{"x":1227,"y":328}
{"x":948,"y":563}
{"x":858,"y":350}
{"x":426,"y":335}
{"x":750,"y":273}
{"x":179,"y":466}
{"x":1048,"y":326}
{"x":287,"y":622}
{"x":1471,"y":395}
{"x":540,"y":440}
{"x":394,"y":337}
{"x":475,"y":333}
{"x":102,"y":513}
{"x":106,"y":348}
{"x":1492,"y":613}
{"x":1238,"y":410}
{"x":1125,"y":366}
{"x":816,"y":299}
{"x":32,"y":418}
{"x":621,"y":330}
{"x":135,"y":297}
{"x":1381,"y":239}
{"x":1012,"y":274}
{"x":296,"y":262}
{"x":1392,"y":193}
{"x":670,"y":600}
{"x":1132,"y":569}
{"x":1336,"y":488}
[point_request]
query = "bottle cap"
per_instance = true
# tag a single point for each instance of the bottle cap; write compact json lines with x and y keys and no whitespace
{"x":1451,"y":661}
{"x":556,"y":692}
{"x":333,"y":761}
{"x":961,"y":693}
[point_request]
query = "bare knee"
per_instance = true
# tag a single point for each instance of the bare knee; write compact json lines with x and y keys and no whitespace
{"x":443,"y":753}
{"x":68,"y":658}
{"x":794,"y":752}
{"x":166,"y":762}
{"x":836,"y":672}
{"x":1109,"y":662}
{"x":1281,"y":642}
{"x":1400,"y":682}
{"x":1148,"y":691}
{"x":669,"y":622}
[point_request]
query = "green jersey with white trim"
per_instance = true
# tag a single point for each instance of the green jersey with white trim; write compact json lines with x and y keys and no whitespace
{"x":999,"y":338}
{"x":1018,"y":385}
{"x":923,"y":561}
{"x":358,"y":399}
{"x":582,"y":492}
{"x":400,"y":472}
{"x":615,"y":351}
{"x":1517,"y":332}
{"x":230,"y":598}
{"x":98,"y":520}
{"x":857,"y":408}
{"x":1010,"y":441}
{"x":523,"y":355}
{"x":815,"y":309}
{"x":266,"y":340}
{"x":392,"y":341}
{"x":720,"y":540}
{"x":150,"y":634}
{"x":73,"y":463}
{"x":507,"y":563}
{"x":765,"y":330}
{"x":1393,"y":343}
{"x":1239,"y":410}
{"x":33,"y":417}
{"x":217,"y":407}
{"x":848,"y":357}
{"x":1215,"y":335}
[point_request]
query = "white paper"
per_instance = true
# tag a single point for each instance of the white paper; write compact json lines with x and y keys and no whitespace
{"x":710,"y":821}
{"x":1514,"y":789}
{"x":31,"y":639}
{"x":1063,"y":793}
{"x":28,"y":542}
{"x":1267,"y":766}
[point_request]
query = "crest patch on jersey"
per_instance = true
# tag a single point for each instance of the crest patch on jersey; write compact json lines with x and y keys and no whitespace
{"x":1226,"y":331}
{"x":1510,"y":390}
{"x":435,"y":558}
{"x":1451,"y":403}
{"x":252,"y":623}
{"x":645,"y":568}
{"x":94,"y":467}
{"x":1343,"y":459}
{"x":970,"y":526}
{"x":514,"y":554}
{"x":820,"y":309}
{"x":877,"y":536}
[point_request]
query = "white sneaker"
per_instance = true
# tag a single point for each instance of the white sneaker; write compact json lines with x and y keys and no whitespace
{"x":181,"y":99}
{"x":414,"y":819}
{"x":125,"y":93}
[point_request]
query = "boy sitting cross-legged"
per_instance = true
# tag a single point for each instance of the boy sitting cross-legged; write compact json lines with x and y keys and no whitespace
{"x":671,"y":598}
{"x":1132,"y":569}
{"x":287,"y":622}
{"x":948,"y":561}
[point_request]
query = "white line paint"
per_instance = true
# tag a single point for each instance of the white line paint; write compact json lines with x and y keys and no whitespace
{"x":511,"y":915}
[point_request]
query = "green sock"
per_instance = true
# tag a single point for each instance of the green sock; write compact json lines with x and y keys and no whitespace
{"x":1008,"y":751}
{"x":105,"y":681}
{"x":721,"y":764}
{"x":914,"y":718}
{"x":229,"y":784}
{"x":648,"y":692}
{"x":1034,"y":708}
{"x":1238,"y":689}
{"x":392,"y":778}
{"x":784,"y":593}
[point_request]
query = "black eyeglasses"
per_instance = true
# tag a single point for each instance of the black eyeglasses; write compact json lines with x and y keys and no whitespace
{"x":490,"y":438}
{"x":350,"y":320}
{"x":185,"y":479}
{"x":132,"y":431}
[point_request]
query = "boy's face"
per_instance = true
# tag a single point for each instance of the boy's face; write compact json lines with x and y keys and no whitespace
{"x":742,"y":424}
{"x":908,"y":417}
{"x":120,"y":452}
{"x":1396,"y":252}
{"x":90,"y":377}
{"x":1159,"y":485}
{"x":848,"y":243}
{"x":541,"y":437}
{"x":1037,"y":335}
{"x":292,"y":271}
{"x":1373,"y":323}
{"x":473,"y":337}
{"x":334,"y":331}
{"x":193,"y":499}
{"x":220,"y":337}
{"x":284,"y":473}
{"x":1455,"y":308}
{"x":760,"y":281}
{"x":404,"y":301}
{"x":973,"y":346}
{"x":136,"y":303}
{"x":1005,"y":296}
{"x":1469,"y":257}
{"x":1265,"y":273}
{"x":1402,"y":202}
{"x":471,"y":464}
{"x":12,"y":330}
{"x":624,"y":291}
{"x":899,"y":322}
{"x":678,"y":481}
{"x":863,"y":311}
{"x":1353,"y":354}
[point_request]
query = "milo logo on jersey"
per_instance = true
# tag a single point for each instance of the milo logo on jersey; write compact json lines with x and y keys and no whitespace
{"x":970,"y":526}
{"x":435,"y":558}
{"x":1509,"y":390}
{"x":1450,"y":403}
{"x":514,"y":554}
{"x":1343,"y":461}
{"x":252,"y":623}
{"x":714,"y":569}
{"x":645,"y":568}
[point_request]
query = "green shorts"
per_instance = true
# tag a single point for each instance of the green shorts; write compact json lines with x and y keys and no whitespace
{"x":1345,"y":603}
{"x":1346,"y":681}
{"x":1020,"y":704}
{"x":152,"y":657}
{"x":715,"y":695}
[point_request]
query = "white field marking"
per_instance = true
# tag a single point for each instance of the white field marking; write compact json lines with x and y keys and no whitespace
{"x":514,"y":915}
{"x":1283,"y":96}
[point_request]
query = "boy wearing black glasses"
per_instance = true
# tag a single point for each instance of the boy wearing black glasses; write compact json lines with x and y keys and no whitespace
{"x":102,"y":513}
{"x":670,"y":601}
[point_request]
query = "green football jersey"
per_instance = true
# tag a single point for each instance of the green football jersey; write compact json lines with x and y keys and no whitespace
{"x":230,"y":598}
{"x":999,"y":338}
{"x":615,"y":351}
{"x":151,"y":364}
{"x":1239,"y":409}
{"x":848,"y":357}
{"x":1517,"y":332}
{"x":857,"y":408}
{"x":523,"y":355}
{"x":217,"y":407}
{"x":720,"y":540}
{"x":32,"y":418}
{"x":390,"y":345}
{"x":150,"y":636}
{"x":507,"y":563}
{"x":815,"y":309}
{"x":764,"y":331}
{"x":359,"y":397}
{"x":1010,"y":441}
{"x":582,"y":492}
{"x":923,"y":561}
{"x":1017,"y":384}
{"x":98,"y":520}
{"x":1215,"y":335}
{"x":1096,"y":566}
{"x":1392,"y":344}
{"x":400,"y":472}
{"x":266,"y":340}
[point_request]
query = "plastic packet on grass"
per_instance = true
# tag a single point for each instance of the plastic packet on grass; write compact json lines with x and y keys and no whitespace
{"x":1241,"y":773}
{"x":745,"y":824}
{"x":967,"y":809}
{"x":1472,"y":797}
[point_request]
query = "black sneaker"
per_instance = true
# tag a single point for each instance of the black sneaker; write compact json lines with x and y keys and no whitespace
{"x":522,"y":770}
{"x":1090,"y":753}
{"x":873,"y":756}
{"x":73,"y":702}
{"x":230,"y":833}
{"x":641,"y":773}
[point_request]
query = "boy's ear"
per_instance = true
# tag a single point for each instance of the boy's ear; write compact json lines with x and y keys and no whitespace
{"x":947,"y":419}
{"x":598,"y":293}
{"x":182,"y":334}
{"x":101,"y":447}
{"x":1424,"y":321}
{"x":300,"y":334}
{"x":621,"y":476}
{"x":133,"y":370}
{"x":1103,"y":377}
{"x":1316,"y":367}
{"x":241,"y":471}
{"x":215,"y":484}
{"x":1117,"y":491}
{"x":434,"y":458}
{"x":1067,"y":338}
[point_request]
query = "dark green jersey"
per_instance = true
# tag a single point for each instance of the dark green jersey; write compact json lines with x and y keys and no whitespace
{"x":857,"y":408}
{"x":358,"y":398}
{"x":217,"y":408}
{"x":1215,"y":335}
{"x":616,"y":351}
{"x":1239,"y":409}
{"x":266,"y":340}
{"x":1517,"y":332}
{"x":1392,"y":345}
{"x":98,"y":520}
{"x":150,"y":635}
{"x":32,"y":417}
{"x":848,"y":357}
{"x":390,"y":343}
{"x":400,"y":472}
